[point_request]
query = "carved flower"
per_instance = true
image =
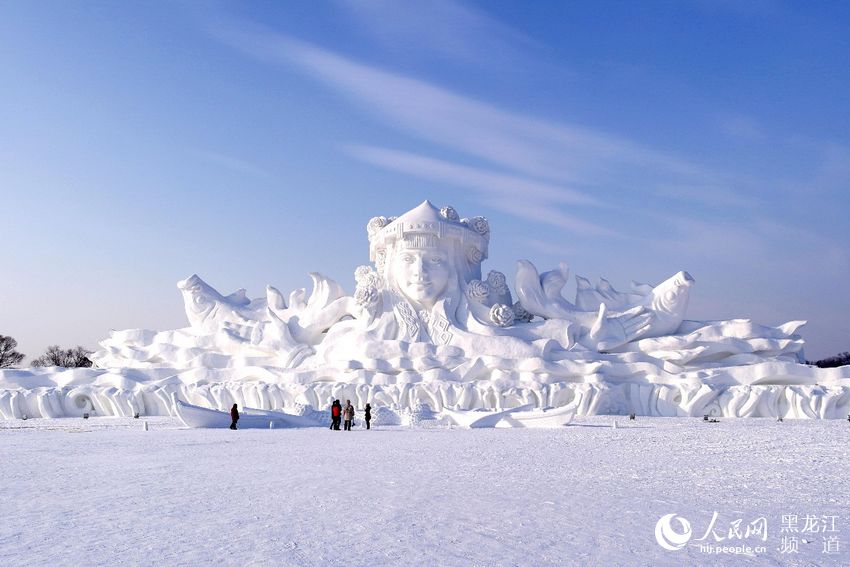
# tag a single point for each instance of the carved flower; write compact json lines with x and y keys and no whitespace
{"x":502,"y":315}
{"x":375,"y":224}
{"x":361,"y":274}
{"x":365,"y":276}
{"x":449,"y":213}
{"x":365,"y":295}
{"x":474,"y":255}
{"x":480,"y":225}
{"x":520,"y":314}
{"x":476,"y":290}
{"x":497,"y":281}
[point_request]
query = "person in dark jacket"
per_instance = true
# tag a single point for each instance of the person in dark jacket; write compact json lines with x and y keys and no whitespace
{"x":234,"y":416}
{"x":368,"y":416}
{"x":336,"y":415}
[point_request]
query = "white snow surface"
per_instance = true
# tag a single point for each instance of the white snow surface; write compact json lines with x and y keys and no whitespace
{"x":105,"y":492}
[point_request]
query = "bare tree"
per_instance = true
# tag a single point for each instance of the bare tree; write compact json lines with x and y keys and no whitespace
{"x":8,"y":356}
{"x":839,"y":359}
{"x":67,"y":358}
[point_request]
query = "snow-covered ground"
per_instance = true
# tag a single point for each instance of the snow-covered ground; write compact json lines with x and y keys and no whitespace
{"x":105,"y":492}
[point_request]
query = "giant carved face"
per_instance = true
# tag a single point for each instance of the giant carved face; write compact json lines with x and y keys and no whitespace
{"x":422,"y":274}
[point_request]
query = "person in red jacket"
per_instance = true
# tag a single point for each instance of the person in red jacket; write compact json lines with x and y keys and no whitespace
{"x":234,"y":415}
{"x":336,"y":415}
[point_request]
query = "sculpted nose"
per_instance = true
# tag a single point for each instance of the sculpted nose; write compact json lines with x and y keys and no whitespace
{"x":418,"y":268}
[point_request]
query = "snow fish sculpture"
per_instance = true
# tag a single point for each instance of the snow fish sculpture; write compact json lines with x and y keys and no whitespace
{"x":207,"y":308}
{"x":424,"y":327}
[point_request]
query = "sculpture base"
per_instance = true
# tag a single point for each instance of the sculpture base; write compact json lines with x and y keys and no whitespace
{"x":54,"y":392}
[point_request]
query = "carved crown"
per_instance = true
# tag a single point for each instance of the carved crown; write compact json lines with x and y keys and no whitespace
{"x":424,"y":226}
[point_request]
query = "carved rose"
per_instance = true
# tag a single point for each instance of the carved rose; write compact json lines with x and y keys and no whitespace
{"x":497,"y":281}
{"x":502,"y":315}
{"x":361,"y":274}
{"x":375,"y":224}
{"x":449,"y":213}
{"x":474,"y":255}
{"x":520,"y":314}
{"x":476,"y":290}
{"x":365,"y":295}
{"x":480,"y":225}
{"x":365,"y":276}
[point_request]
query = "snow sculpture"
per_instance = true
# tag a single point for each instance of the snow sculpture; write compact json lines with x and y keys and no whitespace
{"x":423,"y":327}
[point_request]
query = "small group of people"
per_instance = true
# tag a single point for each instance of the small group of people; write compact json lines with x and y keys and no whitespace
{"x":346,"y":414}
{"x":338,"y":413}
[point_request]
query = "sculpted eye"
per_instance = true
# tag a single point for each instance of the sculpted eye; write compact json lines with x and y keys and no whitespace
{"x":670,"y":295}
{"x":436,"y":260}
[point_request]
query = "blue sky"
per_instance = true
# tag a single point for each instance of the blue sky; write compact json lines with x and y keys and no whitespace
{"x":251,"y":142}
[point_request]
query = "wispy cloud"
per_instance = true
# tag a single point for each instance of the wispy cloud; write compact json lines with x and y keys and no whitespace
{"x":431,"y":112}
{"x":833,"y":172}
{"x":740,"y":127}
{"x":556,"y":249}
{"x":445,"y":28}
{"x":776,"y":248}
{"x":719,"y":240}
{"x":232,"y":163}
{"x":558,"y":163}
{"x":538,"y":211}
{"x":711,"y":195}
{"x":500,"y":189}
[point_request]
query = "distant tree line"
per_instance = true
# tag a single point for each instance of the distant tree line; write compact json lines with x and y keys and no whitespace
{"x":67,"y":358}
{"x":840,"y":359}
{"x":54,"y":355}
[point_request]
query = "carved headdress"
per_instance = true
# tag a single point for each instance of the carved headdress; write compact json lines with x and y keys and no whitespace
{"x":424,"y":227}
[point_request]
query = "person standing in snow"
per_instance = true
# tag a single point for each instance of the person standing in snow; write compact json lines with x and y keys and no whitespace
{"x":336,"y":412}
{"x":368,"y":415}
{"x":348,"y":414}
{"x":234,"y":416}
